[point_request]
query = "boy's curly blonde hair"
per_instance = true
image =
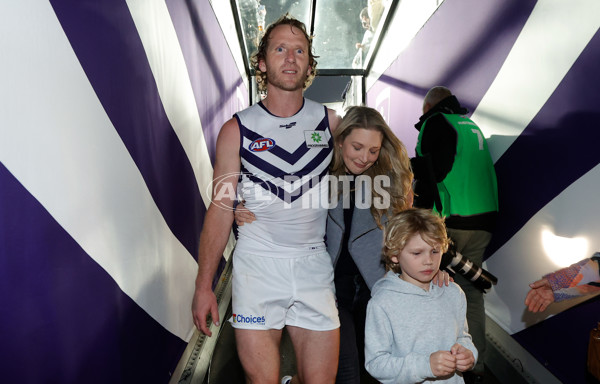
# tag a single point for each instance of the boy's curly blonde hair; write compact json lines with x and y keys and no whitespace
{"x":401,"y":227}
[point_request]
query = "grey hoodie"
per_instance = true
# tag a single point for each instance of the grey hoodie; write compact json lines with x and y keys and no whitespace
{"x":406,"y":324}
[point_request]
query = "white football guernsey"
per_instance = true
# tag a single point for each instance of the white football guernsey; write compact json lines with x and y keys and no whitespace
{"x":285,"y":161}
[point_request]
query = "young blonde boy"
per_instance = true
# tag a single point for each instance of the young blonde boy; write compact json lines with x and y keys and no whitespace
{"x":416,"y":331}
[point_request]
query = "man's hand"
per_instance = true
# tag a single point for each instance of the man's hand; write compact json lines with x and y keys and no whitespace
{"x":540,"y":296}
{"x":464,"y":357}
{"x":442,"y":363}
{"x":204,"y":302}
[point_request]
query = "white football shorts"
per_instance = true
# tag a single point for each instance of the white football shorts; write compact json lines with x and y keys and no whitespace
{"x":270,"y":293}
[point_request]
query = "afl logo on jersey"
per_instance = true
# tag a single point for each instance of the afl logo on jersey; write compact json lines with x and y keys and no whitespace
{"x":262,"y":144}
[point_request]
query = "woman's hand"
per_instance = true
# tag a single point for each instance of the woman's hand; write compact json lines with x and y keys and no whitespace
{"x":243,"y":215}
{"x":442,"y":278}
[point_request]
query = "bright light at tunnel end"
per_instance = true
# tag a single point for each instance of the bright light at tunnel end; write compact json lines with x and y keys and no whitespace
{"x":564,"y":251}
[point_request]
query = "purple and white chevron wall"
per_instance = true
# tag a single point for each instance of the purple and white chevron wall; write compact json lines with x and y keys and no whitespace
{"x":528,"y":71}
{"x":109,"y":112}
{"x":109,"y":116}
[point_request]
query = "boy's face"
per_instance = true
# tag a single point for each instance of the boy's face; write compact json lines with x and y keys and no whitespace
{"x":419,"y":261}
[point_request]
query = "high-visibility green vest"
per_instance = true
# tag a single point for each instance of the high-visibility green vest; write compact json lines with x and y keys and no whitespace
{"x":470,"y":188}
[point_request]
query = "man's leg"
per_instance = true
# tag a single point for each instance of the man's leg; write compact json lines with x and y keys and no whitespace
{"x":316,"y":354}
{"x":259,"y":354}
{"x":472,"y":245}
{"x":312,"y":321}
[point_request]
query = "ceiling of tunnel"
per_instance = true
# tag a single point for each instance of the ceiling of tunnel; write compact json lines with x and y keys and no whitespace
{"x":335,"y":24}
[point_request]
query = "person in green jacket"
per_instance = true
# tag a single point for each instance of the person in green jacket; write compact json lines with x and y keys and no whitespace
{"x":455,"y":176}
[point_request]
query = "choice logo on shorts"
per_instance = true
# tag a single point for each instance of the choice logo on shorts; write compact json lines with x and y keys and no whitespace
{"x":248,"y":319}
{"x":262,"y":144}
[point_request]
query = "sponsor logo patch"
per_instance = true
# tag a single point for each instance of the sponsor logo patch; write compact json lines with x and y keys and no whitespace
{"x":288,"y":126}
{"x":250,"y":319}
{"x":315,"y":139}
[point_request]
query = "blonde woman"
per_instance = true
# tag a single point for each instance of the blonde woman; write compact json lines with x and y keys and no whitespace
{"x":372,"y":162}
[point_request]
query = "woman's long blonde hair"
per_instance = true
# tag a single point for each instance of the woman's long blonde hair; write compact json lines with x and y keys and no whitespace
{"x":393,"y":159}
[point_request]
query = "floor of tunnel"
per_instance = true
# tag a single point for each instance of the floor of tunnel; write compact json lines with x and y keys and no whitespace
{"x":225,"y":366}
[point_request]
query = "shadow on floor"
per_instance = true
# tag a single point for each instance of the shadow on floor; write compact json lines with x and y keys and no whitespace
{"x":225,"y":366}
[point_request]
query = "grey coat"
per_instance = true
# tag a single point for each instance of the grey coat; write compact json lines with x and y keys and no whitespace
{"x":365,"y":242}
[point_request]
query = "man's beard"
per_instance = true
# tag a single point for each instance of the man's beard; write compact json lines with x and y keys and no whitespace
{"x":275,"y":79}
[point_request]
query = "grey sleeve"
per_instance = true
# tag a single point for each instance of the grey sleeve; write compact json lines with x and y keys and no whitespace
{"x":380,"y":359}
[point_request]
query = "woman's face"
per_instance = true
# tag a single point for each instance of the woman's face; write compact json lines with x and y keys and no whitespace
{"x":360,"y":149}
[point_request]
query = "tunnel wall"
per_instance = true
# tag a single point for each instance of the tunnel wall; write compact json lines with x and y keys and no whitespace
{"x":527,"y":71}
{"x":110,"y":111}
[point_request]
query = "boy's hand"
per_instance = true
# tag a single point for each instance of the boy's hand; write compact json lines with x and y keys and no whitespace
{"x":442,"y":363}
{"x":465,"y":360}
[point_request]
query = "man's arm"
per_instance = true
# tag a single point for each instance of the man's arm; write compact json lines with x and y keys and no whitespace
{"x":439,"y":141}
{"x":217,"y":224}
{"x":425,"y":188}
{"x":438,"y":146}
